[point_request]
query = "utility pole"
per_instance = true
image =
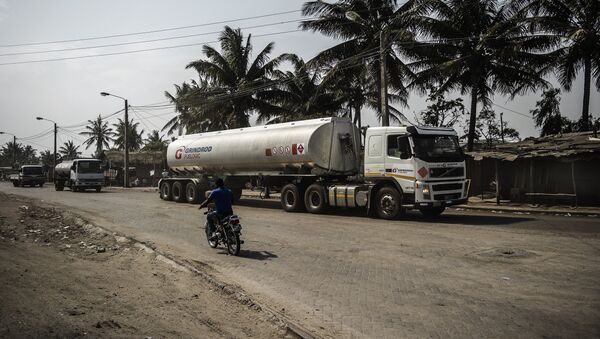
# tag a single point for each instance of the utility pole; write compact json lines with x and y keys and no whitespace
{"x":125,"y":146}
{"x":14,"y":151}
{"x":54,"y":163}
{"x":385,"y":119}
{"x":501,"y":127}
{"x":126,"y":160}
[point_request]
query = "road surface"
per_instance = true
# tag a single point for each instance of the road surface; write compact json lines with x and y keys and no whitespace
{"x":466,"y":274}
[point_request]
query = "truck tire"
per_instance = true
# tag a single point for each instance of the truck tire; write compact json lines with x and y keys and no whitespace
{"x":178,"y":192}
{"x":165,"y":191}
{"x":292,"y":198}
{"x":41,"y":184}
{"x":16,"y":183}
{"x":22,"y":184}
{"x":59,"y":186}
{"x":388,"y":203}
{"x":192,"y":193}
{"x":315,"y":199}
{"x":98,"y":189}
{"x":432,"y":212}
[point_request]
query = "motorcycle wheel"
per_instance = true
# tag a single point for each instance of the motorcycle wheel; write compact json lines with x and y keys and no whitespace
{"x":212,"y":244}
{"x":232,"y":239}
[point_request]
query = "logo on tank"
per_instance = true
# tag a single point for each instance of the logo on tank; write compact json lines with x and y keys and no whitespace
{"x":294,"y":149}
{"x":191,"y":152}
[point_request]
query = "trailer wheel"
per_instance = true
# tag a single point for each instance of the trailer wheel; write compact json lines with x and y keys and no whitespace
{"x":165,"y":191}
{"x":59,"y":186}
{"x":432,"y":212}
{"x":192,"y":194}
{"x":314,"y":199}
{"x":388,"y":203}
{"x":98,"y":189}
{"x":178,"y":193}
{"x":292,"y":198}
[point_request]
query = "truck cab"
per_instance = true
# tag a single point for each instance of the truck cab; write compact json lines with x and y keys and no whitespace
{"x":424,"y":164}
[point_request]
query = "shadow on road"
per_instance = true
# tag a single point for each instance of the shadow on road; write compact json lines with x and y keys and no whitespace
{"x":257,"y":255}
{"x":447,"y":218}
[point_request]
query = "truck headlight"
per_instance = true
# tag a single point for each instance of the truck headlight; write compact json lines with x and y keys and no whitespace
{"x":426,"y":193}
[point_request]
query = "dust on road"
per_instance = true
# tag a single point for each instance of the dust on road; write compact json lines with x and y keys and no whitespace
{"x":62,"y":277}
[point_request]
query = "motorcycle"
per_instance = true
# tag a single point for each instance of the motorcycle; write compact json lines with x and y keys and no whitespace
{"x":228,"y":231}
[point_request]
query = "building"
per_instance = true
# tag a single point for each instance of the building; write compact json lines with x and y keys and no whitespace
{"x":557,"y":169}
{"x":145,"y":166}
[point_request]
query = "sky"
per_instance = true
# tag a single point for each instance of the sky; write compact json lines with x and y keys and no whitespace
{"x":67,"y":90}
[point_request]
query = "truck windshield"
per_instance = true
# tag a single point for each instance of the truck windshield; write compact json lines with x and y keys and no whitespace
{"x":437,"y":148}
{"x":89,"y":167}
{"x":32,"y":170}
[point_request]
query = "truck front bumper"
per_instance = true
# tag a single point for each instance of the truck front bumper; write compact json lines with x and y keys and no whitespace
{"x":444,"y":203}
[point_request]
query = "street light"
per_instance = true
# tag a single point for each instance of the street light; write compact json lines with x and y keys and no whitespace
{"x":385,"y":118}
{"x":126,"y":155}
{"x":55,"y":131}
{"x":14,"y":148}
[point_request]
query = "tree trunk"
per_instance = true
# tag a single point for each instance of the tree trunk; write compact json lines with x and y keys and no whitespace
{"x":471,"y":135}
{"x":587,"y":78}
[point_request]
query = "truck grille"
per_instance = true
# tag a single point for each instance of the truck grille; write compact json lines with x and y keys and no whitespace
{"x":446,"y":172}
{"x":447,"y":187}
{"x":451,"y":196}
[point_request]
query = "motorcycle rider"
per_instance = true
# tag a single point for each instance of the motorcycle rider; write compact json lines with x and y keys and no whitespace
{"x":223,"y":199}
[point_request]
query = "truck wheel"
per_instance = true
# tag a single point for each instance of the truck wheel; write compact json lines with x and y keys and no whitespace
{"x":388,"y":203}
{"x":15,"y":183}
{"x":178,"y":193}
{"x":59,"y":186}
{"x":41,"y":184}
{"x":165,"y":191}
{"x":314,"y":199}
{"x":22,"y":184}
{"x":192,"y":193}
{"x":98,"y":189}
{"x":432,"y":212}
{"x":291,"y":198}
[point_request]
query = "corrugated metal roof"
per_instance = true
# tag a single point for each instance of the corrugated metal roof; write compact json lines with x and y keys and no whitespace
{"x":568,"y":145}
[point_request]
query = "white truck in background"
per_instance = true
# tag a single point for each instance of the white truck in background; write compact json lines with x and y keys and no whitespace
{"x":318,"y":164}
{"x":79,"y":175}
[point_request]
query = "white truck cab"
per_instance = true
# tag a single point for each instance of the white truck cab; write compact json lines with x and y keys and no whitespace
{"x":426,"y":164}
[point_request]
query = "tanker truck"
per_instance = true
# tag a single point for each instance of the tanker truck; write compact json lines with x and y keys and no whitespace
{"x":79,"y":175}
{"x":319,"y":163}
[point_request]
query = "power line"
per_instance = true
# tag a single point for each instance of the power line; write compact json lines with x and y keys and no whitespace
{"x":141,"y":41}
{"x":513,"y":111}
{"x":150,"y":31}
{"x":133,"y":51}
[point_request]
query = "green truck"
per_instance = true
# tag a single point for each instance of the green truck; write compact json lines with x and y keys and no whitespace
{"x":30,"y":175}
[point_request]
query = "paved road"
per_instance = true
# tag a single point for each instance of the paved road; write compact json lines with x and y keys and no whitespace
{"x":464,"y":275}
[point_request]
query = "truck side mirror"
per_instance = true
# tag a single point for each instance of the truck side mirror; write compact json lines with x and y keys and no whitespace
{"x":405,"y":155}
{"x":73,"y":167}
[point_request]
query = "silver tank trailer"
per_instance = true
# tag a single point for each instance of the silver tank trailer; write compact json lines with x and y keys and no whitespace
{"x":64,"y":168}
{"x":323,"y":146}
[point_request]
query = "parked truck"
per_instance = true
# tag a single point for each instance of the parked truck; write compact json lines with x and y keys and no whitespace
{"x":320,"y":163}
{"x":79,"y":175}
{"x":30,"y":175}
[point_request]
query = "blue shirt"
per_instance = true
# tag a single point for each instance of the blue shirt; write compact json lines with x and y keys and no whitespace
{"x":222,"y":197}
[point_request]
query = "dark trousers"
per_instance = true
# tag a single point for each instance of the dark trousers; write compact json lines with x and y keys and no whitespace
{"x":212,"y":218}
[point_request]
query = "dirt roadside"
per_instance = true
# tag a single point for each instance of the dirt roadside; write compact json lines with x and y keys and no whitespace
{"x":63,"y":277}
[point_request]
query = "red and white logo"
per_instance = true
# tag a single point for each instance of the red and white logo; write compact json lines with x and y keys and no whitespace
{"x":179,"y":153}
{"x":300,"y":148}
{"x":297,"y":149}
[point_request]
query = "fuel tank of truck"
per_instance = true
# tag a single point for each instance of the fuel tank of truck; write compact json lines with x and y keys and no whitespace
{"x":327,"y":146}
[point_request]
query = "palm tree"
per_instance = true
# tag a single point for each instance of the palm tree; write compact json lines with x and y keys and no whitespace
{"x":547,"y":114}
{"x":8,"y":150}
{"x":134,"y":138}
{"x":69,"y":151}
{"x":98,"y":133}
{"x":29,"y":155}
{"x":234,"y":82}
{"x":478,"y":47}
{"x":362,"y":24}
{"x":577,"y":24}
{"x":154,"y":142}
{"x":301,"y":95}
{"x":47,"y":158}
